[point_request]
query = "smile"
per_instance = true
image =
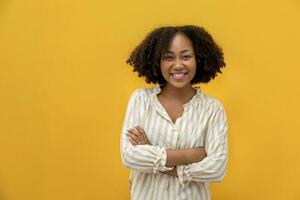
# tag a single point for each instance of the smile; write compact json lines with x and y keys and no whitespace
{"x":178,"y":76}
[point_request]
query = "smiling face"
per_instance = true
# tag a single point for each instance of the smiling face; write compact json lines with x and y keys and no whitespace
{"x":178,"y":64}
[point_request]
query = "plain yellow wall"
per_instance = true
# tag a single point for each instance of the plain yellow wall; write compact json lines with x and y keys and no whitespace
{"x":64,"y":88}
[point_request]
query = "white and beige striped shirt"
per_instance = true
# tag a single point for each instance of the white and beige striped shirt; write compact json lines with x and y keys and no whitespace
{"x":203,"y":123}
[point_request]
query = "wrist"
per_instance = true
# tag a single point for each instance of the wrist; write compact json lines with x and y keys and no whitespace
{"x":198,"y":154}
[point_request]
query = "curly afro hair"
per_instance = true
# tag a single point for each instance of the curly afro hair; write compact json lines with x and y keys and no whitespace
{"x":146,"y":57}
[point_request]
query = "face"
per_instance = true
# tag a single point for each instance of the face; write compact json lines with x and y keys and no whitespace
{"x":178,"y":64}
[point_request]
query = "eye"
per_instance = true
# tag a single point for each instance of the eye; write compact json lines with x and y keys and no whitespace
{"x":168,"y":57}
{"x":186,"y":57}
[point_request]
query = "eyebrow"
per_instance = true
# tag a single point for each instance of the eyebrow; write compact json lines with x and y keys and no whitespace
{"x":185,"y":50}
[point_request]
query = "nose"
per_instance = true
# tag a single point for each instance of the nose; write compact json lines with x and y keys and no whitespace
{"x":178,"y":64}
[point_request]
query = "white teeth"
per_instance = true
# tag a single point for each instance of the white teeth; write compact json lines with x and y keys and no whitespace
{"x":178,"y":75}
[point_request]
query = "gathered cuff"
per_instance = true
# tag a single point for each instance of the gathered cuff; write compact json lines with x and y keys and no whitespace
{"x":160,"y":161}
{"x":184,"y":176}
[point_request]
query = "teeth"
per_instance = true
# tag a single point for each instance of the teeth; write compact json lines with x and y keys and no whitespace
{"x":178,"y":75}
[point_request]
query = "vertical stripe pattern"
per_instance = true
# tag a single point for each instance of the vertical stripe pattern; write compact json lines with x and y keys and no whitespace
{"x":203,"y":123}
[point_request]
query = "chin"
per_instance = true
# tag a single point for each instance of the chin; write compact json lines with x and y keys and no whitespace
{"x":178,"y":84}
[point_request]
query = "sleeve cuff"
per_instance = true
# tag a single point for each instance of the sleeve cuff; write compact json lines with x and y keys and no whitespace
{"x":160,"y":161}
{"x":184,"y":176}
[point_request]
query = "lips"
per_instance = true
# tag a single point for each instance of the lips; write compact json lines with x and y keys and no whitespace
{"x":178,"y":76}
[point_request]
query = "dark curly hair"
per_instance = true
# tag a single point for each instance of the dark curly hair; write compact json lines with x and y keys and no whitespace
{"x":145,"y":58}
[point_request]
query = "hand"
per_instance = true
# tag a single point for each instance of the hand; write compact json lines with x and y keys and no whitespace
{"x":172,"y":172}
{"x":137,"y":136}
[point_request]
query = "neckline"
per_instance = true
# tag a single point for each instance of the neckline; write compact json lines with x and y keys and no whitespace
{"x":157,"y":90}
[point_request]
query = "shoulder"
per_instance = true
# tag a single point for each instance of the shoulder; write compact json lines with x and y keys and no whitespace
{"x":214,"y":108}
{"x":210,"y":101}
{"x":142,"y":93}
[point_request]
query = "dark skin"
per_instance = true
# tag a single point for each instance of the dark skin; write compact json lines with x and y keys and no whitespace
{"x":137,"y":136}
{"x":180,"y":60}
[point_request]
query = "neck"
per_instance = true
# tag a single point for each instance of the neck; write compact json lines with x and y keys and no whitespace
{"x":178,"y":93}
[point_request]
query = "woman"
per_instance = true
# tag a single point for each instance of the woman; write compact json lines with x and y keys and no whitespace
{"x":174,"y":137}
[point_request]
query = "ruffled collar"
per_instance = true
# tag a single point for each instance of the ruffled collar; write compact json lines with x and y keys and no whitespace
{"x":157,"y":90}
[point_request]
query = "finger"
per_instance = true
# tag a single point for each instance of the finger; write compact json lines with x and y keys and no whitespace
{"x":135,"y":132}
{"x":141,"y":131}
{"x":142,"y":137}
{"x":138,"y":134}
{"x":132,"y":136}
{"x":132,"y":141}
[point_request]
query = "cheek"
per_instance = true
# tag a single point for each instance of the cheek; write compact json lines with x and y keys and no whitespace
{"x":193,"y":74}
{"x":193,"y":71}
{"x":164,"y":69}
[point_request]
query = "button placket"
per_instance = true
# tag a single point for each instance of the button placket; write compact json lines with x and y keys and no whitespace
{"x":170,"y":137}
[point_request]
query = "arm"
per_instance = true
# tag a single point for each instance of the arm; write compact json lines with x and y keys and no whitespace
{"x":137,"y":136}
{"x":185,"y":156}
{"x":145,"y":158}
{"x":212,"y":168}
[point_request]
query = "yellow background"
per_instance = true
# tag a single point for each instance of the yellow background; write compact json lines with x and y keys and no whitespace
{"x":64,"y":88}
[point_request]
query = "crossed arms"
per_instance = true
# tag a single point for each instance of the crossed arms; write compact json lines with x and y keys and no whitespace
{"x":137,"y":136}
{"x":202,"y":164}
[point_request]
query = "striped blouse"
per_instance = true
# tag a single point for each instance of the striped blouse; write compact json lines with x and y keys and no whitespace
{"x":203,"y":123}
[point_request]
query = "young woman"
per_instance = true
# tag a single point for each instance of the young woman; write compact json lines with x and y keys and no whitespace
{"x":174,"y":137}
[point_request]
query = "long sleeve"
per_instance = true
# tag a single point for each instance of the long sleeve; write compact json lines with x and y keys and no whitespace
{"x":145,"y":158}
{"x":213,"y":167}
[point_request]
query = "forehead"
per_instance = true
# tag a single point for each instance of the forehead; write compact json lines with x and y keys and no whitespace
{"x":180,"y":43}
